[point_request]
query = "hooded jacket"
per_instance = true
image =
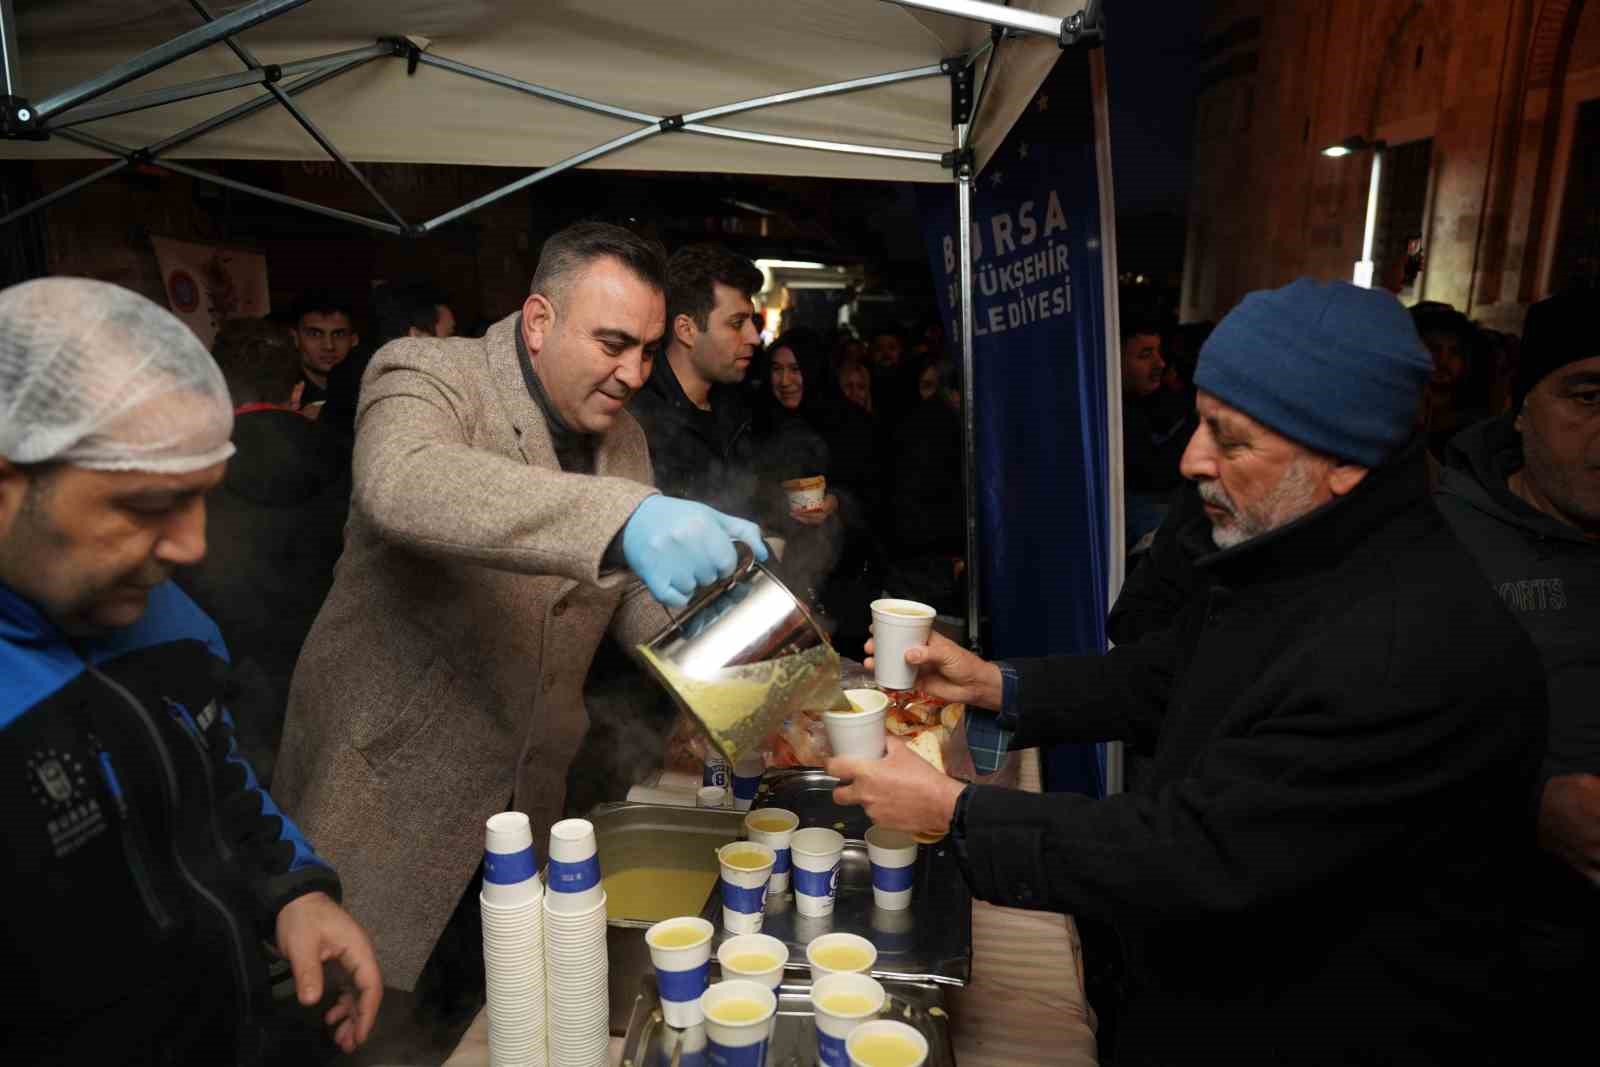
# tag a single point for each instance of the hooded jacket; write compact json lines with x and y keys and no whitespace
{"x":274,"y":531}
{"x":145,"y":861}
{"x":1346,"y":726}
{"x":1548,"y":575}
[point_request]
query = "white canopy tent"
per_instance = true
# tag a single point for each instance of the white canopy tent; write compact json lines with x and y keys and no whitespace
{"x":905,"y":90}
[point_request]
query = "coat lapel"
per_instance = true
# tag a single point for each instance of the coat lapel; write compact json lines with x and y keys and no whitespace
{"x":505,"y":370}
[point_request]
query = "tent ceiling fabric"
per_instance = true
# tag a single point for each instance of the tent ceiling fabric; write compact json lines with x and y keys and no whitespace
{"x":653,"y":56}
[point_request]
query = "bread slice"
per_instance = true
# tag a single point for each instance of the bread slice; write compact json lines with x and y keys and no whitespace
{"x":929,"y":744}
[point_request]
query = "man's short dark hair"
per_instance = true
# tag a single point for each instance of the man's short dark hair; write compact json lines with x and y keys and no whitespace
{"x":1140,"y":325}
{"x":567,"y":253}
{"x":401,"y":308}
{"x":690,"y":274}
{"x":258,"y":361}
{"x":323,"y":302}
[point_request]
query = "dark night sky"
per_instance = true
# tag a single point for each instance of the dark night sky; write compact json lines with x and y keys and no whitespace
{"x":1152,"y":52}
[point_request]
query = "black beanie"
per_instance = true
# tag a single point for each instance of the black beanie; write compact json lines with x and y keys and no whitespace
{"x":1558,"y":331}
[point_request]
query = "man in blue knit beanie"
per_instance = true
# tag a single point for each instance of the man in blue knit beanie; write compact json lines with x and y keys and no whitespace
{"x":1344,"y":725}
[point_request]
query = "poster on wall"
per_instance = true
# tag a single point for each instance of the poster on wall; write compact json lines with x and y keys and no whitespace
{"x":208,"y":284}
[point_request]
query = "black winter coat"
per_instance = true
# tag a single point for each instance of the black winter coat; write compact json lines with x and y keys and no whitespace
{"x":1347,"y":725}
{"x":274,"y":530}
{"x":700,"y":455}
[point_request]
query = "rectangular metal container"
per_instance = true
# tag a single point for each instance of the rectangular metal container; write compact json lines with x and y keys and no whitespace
{"x":651,"y":1043}
{"x":931,"y":941}
{"x":631,"y":836}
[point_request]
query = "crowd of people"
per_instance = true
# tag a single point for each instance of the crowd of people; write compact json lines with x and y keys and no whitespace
{"x":304,"y":590}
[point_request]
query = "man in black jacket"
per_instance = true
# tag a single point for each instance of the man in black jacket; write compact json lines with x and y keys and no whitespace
{"x":146,"y":861}
{"x":693,"y":409}
{"x":1346,"y":726}
{"x":1523,"y":493}
{"x":275,"y":528}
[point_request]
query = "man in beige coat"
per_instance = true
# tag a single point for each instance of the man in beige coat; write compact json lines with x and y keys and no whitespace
{"x":502,"y":522}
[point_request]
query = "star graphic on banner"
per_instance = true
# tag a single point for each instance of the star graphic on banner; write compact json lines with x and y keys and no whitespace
{"x":1044,"y":103}
{"x":995,"y":177}
{"x":1022,"y":150}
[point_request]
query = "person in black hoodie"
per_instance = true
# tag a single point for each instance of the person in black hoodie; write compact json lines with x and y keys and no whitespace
{"x":1522,"y":492}
{"x":1346,"y":728}
{"x":276,"y":530}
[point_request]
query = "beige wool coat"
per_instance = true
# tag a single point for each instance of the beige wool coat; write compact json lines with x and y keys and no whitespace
{"x":444,"y":674}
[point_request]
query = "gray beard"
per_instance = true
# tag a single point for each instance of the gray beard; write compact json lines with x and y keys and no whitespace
{"x":1293,"y":496}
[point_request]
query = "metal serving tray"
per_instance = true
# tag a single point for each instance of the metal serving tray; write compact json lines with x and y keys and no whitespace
{"x":651,"y":1043}
{"x":931,"y":941}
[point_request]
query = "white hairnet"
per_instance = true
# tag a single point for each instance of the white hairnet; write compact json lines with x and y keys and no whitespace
{"x":97,"y":376}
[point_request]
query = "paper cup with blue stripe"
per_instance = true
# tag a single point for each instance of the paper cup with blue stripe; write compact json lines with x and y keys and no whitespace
{"x":746,"y":871}
{"x":680,"y":949}
{"x":747,"y":781}
{"x":816,"y":853}
{"x":573,"y":875}
{"x":894,"y":866}
{"x":738,"y":1023}
{"x":510,"y":867}
{"x":774,"y":827}
{"x":840,"y":1003}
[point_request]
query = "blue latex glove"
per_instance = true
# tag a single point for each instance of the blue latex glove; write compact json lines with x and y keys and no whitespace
{"x":676,"y":546}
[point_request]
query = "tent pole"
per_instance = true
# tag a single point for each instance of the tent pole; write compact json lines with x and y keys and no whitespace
{"x":831,"y":89}
{"x":280,"y":198}
{"x":248,"y":59}
{"x":8,"y":50}
{"x":540,"y":175}
{"x":160,"y":56}
{"x":65,"y":191}
{"x":104,"y":109}
{"x":823,"y":146}
{"x":969,"y":391}
{"x":995,"y":15}
{"x":428,"y":59}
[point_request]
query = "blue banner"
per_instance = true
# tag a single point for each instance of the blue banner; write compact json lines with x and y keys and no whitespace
{"x":1039,"y":351}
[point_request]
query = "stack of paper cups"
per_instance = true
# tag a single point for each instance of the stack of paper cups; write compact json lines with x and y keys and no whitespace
{"x":817,"y":853}
{"x":575,"y":949}
{"x":512,"y":904}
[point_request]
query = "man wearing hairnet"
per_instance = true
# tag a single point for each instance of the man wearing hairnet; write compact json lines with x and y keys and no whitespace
{"x":146,"y":863}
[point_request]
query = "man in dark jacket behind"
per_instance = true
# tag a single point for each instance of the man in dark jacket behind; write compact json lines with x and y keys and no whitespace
{"x":693,"y":409}
{"x":1346,"y":727}
{"x":276,"y":528}
{"x":145,"y":861}
{"x":1523,"y":493}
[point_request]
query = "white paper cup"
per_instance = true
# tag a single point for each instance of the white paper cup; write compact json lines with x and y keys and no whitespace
{"x":861,"y":946}
{"x":754,"y":945}
{"x":885,"y":1028}
{"x":510,"y":866}
{"x":711,"y":796}
{"x":744,"y":890}
{"x":898,"y":625}
{"x":684,"y":973}
{"x":747,"y":780}
{"x":806,"y":494}
{"x":834,"y":1026}
{"x":744,"y":1043}
{"x":894,"y":865}
{"x":572,"y":877}
{"x":777,"y":840}
{"x":861,"y":732}
{"x":816,"y":853}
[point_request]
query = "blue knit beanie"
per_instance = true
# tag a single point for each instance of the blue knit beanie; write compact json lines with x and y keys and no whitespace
{"x":1334,"y":367}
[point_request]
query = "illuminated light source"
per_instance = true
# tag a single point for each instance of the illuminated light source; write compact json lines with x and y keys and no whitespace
{"x":789,"y":264}
{"x":1365,"y":268}
{"x":1348,"y":146}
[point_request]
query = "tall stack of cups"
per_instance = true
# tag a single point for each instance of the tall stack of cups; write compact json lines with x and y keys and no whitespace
{"x":512,"y":904}
{"x":575,"y":948}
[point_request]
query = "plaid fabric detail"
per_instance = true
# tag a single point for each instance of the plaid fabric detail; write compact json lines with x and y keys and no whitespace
{"x":989,"y":735}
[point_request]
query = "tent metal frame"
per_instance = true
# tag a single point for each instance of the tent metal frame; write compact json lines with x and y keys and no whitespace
{"x":61,"y":114}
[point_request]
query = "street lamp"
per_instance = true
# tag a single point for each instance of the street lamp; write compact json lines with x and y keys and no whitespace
{"x":1349,"y":146}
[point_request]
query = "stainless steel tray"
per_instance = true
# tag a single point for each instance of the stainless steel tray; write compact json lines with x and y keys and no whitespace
{"x":931,"y":941}
{"x":652,"y":1043}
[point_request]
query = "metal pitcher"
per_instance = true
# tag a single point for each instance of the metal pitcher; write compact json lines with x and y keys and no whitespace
{"x":743,"y":656}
